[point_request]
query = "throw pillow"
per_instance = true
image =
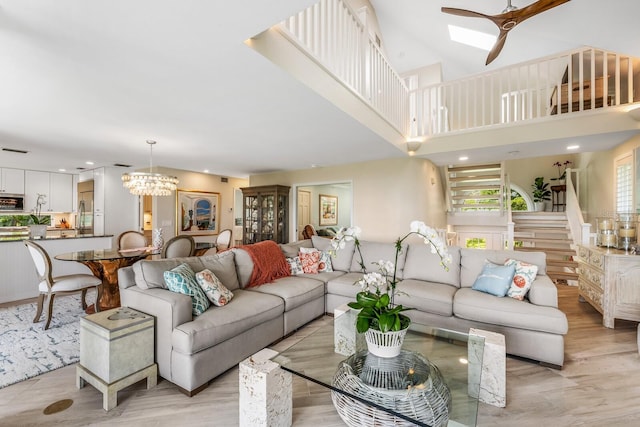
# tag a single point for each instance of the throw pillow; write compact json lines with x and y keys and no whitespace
{"x":213,"y":288}
{"x":325,"y":262}
{"x":182,"y":279}
{"x":310,"y":261}
{"x":295,"y":266}
{"x":494,"y":279}
{"x":523,"y":277}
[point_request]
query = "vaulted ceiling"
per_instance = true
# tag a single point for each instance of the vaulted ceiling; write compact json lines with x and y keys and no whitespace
{"x":92,"y":80}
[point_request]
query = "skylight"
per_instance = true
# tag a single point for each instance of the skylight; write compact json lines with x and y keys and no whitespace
{"x":473,"y":38}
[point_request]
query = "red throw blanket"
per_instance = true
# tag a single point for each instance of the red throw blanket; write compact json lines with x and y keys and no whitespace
{"x":269,"y":262}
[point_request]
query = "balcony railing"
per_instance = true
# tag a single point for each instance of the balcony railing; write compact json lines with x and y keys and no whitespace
{"x":585,"y":79}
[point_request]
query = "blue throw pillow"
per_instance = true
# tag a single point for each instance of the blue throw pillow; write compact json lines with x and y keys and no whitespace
{"x":495,"y":279}
{"x":182,"y":279}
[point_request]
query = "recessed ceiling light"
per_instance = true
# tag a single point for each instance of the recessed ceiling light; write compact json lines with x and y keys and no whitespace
{"x":206,"y":171}
{"x":88,"y":162}
{"x":473,"y":38}
{"x":62,"y":170}
{"x":573,"y":147}
{"x":463,"y":158}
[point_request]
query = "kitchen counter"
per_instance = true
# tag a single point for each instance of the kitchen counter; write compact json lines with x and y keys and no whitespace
{"x":19,"y":281}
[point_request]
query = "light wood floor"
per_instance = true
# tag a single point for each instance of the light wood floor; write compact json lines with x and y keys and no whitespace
{"x":598,"y":386}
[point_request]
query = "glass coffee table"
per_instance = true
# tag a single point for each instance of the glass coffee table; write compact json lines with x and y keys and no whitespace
{"x":435,"y":381}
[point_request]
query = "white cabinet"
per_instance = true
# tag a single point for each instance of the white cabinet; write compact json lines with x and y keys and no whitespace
{"x":98,"y":190}
{"x":11,"y":181}
{"x":57,"y":187}
{"x":60,"y":192}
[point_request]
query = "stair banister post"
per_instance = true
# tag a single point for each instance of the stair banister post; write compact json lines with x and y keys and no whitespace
{"x":510,"y":231}
{"x":586,"y":234}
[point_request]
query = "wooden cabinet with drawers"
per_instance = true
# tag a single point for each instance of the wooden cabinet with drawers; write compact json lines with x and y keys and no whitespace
{"x":609,"y":280}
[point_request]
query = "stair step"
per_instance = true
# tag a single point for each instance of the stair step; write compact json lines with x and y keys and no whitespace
{"x":540,"y":224}
{"x":544,"y":240}
{"x":555,"y":251}
{"x":562,"y":263}
{"x":532,"y":230}
{"x":475,"y":168}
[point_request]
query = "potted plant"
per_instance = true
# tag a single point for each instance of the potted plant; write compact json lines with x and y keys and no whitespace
{"x":38,"y":228}
{"x":379,"y":318}
{"x":562,"y":171}
{"x":540,"y":193}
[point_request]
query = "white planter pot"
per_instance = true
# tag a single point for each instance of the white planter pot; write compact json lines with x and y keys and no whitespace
{"x":538,"y":206}
{"x":384,"y":344}
{"x":38,"y":231}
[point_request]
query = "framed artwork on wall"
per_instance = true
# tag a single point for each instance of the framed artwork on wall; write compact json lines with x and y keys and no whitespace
{"x":328,"y":210}
{"x":197,"y":212}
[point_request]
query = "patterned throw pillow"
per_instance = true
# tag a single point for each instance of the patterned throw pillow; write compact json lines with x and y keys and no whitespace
{"x":494,"y":279}
{"x":295,"y":266}
{"x":310,"y":260}
{"x":325,"y":262}
{"x":182,"y":280}
{"x":213,"y":288}
{"x":524,"y":276}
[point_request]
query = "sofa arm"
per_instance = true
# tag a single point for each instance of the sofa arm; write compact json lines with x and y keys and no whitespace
{"x":543,"y":292}
{"x":170,"y":310}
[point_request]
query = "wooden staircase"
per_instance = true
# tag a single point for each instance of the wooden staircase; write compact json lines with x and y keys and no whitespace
{"x":547,"y":232}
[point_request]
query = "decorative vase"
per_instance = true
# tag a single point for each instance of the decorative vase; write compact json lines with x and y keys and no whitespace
{"x":385,"y":344}
{"x":158,"y":240}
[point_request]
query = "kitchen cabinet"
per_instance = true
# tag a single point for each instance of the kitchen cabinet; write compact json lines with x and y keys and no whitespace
{"x":265,"y":213}
{"x":609,"y":280}
{"x":11,"y":181}
{"x":57,"y":187}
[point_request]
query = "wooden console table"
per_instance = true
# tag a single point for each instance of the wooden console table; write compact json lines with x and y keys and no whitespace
{"x":609,"y":280}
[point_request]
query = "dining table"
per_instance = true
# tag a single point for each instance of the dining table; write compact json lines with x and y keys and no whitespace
{"x":104,"y":264}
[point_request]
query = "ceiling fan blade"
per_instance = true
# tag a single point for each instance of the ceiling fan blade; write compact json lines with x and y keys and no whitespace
{"x":465,"y":12}
{"x":497,"y":48}
{"x":534,"y":9}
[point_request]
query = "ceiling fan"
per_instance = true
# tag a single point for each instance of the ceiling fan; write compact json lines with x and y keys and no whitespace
{"x":507,"y":20}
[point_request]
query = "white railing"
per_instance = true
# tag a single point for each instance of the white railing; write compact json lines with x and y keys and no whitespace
{"x":332,"y":33}
{"x":527,"y":91}
{"x":335,"y":36}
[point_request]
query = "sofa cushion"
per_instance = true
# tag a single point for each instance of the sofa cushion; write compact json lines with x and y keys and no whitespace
{"x":244,"y":266}
{"x":291,"y":250}
{"x":425,"y":296}
{"x":374,"y":252}
{"x":295,"y":291}
{"x":223,"y":266}
{"x":181,"y":279}
{"x":495,"y":279}
{"x":481,"y":307}
{"x":342,"y":258}
{"x":472,"y":261}
{"x":421,"y":264}
{"x":325,"y":276}
{"x":150,"y":273}
{"x":247,"y":310}
{"x":345,"y":285}
{"x":213,"y":288}
{"x":523,"y":277}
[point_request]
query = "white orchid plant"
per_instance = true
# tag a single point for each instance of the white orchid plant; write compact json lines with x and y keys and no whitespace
{"x":378,"y":289}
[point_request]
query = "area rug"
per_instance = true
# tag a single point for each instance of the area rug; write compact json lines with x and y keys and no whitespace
{"x":27,"y":350}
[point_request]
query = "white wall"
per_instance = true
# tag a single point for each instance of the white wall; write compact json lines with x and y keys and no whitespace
{"x":387,"y":194}
{"x":344,"y":193}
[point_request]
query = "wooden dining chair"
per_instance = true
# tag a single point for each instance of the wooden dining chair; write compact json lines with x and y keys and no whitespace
{"x":179,"y":246}
{"x":131,"y":240}
{"x":50,"y":286}
{"x":223,"y":241}
{"x":308,"y":231}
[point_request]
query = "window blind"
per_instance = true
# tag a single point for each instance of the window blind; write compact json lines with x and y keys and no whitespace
{"x":624,"y":184}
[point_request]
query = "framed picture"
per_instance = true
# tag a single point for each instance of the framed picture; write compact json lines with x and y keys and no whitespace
{"x":197,"y":212}
{"x":328,"y":210}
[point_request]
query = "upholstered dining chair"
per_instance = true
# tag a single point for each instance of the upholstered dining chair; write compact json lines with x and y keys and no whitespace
{"x":223,"y":241}
{"x":308,"y":231}
{"x":50,"y":286}
{"x":131,"y":240}
{"x":179,"y":246}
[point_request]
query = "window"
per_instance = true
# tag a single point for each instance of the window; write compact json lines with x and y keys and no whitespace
{"x":624,"y":183}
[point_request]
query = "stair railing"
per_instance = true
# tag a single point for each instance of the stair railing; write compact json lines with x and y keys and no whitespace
{"x":580,"y":231}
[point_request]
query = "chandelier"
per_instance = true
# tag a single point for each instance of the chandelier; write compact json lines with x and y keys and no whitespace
{"x":149,"y":183}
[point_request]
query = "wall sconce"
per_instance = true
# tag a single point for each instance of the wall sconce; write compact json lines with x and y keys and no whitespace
{"x":413,"y":146}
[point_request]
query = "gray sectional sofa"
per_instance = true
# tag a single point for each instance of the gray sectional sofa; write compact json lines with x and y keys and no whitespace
{"x":190,"y":351}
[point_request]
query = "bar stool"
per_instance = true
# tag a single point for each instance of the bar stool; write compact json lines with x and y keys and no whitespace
{"x":558,"y":197}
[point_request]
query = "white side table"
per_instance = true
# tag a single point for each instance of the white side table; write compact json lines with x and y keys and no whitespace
{"x":116,"y":350}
